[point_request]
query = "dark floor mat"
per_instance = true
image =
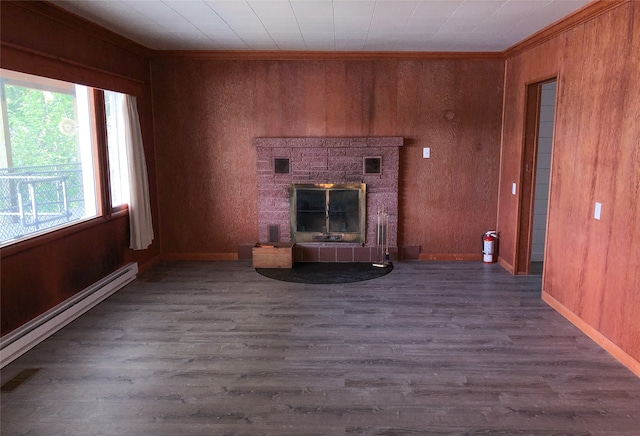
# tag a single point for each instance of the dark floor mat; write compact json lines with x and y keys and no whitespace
{"x":326,"y":272}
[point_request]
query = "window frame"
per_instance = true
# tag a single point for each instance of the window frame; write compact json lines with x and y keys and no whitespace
{"x":104,"y":211}
{"x":108,"y":191}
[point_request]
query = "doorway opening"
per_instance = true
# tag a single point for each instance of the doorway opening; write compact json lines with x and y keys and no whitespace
{"x":536,"y":172}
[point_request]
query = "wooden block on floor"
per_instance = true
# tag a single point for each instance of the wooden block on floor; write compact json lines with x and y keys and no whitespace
{"x":272,"y":255}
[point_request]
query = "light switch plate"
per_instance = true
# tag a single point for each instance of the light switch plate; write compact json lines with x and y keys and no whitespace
{"x":426,"y":152}
{"x":597,"y":210}
{"x":513,"y":189}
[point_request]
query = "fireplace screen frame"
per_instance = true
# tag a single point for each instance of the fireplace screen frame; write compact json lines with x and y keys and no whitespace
{"x":328,"y":232}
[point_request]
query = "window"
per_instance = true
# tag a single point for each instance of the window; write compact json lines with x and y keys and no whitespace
{"x":47,"y":155}
{"x":116,"y":146}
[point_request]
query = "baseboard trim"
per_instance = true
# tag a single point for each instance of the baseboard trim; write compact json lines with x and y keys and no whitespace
{"x":142,"y":267}
{"x":24,"y":338}
{"x":506,"y":265}
{"x":450,"y":256}
{"x":200,"y":256}
{"x":618,"y":353}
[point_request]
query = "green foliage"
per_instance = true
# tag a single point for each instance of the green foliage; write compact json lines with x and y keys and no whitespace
{"x":34,"y":119}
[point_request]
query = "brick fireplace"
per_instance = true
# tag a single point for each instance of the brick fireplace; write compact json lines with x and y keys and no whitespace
{"x":283,"y":162}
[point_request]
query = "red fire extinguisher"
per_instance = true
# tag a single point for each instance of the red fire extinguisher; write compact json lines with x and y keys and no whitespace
{"x":489,"y":246}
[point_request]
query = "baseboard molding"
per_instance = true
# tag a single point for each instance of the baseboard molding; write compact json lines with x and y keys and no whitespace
{"x":506,"y":265}
{"x":618,"y":353}
{"x":450,"y":256}
{"x":142,"y":267}
{"x":21,"y":340}
{"x":200,"y":256}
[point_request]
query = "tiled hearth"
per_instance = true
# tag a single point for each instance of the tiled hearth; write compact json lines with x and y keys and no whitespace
{"x":327,"y":160}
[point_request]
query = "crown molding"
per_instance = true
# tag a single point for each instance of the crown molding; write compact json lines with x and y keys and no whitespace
{"x":581,"y":16}
{"x":276,"y":55}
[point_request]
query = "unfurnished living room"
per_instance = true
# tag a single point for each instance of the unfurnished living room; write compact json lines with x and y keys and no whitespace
{"x":320,"y":217}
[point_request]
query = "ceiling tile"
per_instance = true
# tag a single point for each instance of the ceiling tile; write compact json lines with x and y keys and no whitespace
{"x":273,"y":25}
{"x":397,"y":25}
{"x":351,"y":8}
{"x":230,"y":7}
{"x":476,"y":11}
{"x":353,"y":24}
{"x":436,"y":8}
{"x":161,"y":14}
{"x":311,"y":8}
{"x":430,"y":25}
{"x":308,"y":25}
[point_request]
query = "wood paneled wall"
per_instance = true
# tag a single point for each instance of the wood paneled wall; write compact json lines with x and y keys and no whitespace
{"x":37,"y":274}
{"x":592,"y":267}
{"x":208,"y":111}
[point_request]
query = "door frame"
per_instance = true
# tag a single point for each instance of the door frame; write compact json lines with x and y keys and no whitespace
{"x":528,"y":164}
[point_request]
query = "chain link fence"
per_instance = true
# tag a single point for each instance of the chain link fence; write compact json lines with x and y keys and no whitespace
{"x":37,"y":198}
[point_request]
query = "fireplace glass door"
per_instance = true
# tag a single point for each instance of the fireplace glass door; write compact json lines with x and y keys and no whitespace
{"x":328,"y":212}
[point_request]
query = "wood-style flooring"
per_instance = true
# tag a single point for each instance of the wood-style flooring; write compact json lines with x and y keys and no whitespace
{"x":213,"y":348}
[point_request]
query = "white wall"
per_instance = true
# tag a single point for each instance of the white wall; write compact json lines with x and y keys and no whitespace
{"x":543,"y":169}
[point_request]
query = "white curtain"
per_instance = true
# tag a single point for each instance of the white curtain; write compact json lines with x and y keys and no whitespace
{"x":140,"y":224}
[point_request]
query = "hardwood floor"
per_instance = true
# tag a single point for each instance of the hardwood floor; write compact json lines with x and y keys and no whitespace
{"x":213,"y":348}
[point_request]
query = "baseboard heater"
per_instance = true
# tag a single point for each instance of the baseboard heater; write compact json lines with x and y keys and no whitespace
{"x":21,"y":340}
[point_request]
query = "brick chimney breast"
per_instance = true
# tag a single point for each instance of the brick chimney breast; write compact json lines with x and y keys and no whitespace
{"x":314,"y":160}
